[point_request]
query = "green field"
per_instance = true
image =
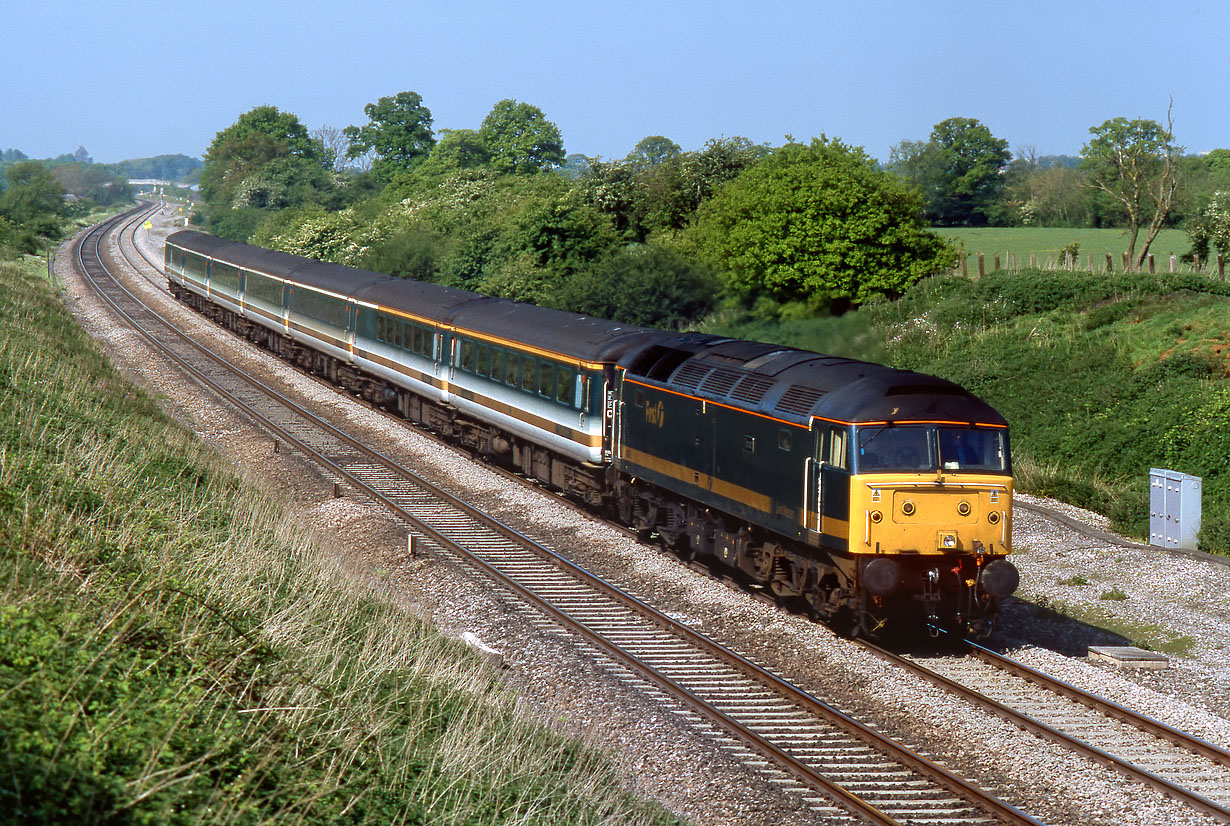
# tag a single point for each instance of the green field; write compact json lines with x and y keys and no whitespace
{"x":1045,"y":241}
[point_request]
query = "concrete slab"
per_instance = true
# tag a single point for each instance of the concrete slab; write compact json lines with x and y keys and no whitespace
{"x":1127,"y":656}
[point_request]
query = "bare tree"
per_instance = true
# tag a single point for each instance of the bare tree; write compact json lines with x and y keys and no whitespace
{"x":336,"y":145}
{"x":1136,"y":163}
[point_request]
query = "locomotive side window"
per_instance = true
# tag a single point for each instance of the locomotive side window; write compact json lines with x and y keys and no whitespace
{"x":837,"y":449}
{"x":638,"y":398}
{"x":783,"y":439}
{"x":749,"y":444}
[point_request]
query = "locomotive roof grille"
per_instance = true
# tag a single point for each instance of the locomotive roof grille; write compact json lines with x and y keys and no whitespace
{"x":751,"y":389}
{"x":799,"y":400}
{"x":719,"y":382}
{"x":691,"y":374}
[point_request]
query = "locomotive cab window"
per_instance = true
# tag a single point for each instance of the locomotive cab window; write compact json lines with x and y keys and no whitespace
{"x":749,"y":444}
{"x":783,"y":439}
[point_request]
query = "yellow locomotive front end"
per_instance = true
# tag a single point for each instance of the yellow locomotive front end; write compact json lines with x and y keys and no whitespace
{"x":931,"y":524}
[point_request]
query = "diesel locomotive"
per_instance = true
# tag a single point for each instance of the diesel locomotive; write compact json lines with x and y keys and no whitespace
{"x":877,"y":499}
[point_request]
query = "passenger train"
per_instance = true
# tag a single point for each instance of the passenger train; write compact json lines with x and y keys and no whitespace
{"x":875,"y":498}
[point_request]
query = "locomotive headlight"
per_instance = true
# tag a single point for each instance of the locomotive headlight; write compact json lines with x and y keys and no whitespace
{"x":947,"y":540}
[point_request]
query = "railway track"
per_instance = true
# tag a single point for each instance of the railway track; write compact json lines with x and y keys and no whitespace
{"x":838,"y":766}
{"x":1172,"y":761}
{"x":842,"y":769}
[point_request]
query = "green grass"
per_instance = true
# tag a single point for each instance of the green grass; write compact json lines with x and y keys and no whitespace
{"x":175,"y":650}
{"x":1045,"y":241}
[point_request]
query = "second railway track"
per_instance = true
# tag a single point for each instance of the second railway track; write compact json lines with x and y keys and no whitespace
{"x":824,"y":756}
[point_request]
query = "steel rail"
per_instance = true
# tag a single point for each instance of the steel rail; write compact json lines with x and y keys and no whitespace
{"x":1053,"y":734}
{"x":928,"y":768}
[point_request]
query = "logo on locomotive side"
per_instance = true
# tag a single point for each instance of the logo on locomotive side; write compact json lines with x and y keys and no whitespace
{"x":655,"y":413}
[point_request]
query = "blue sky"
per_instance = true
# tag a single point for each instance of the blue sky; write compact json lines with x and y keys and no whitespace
{"x":140,"y":78}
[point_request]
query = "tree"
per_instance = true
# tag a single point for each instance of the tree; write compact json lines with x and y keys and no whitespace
{"x":640,"y":284}
{"x":651,"y":151}
{"x":817,"y":224}
{"x":265,"y":160}
{"x":958,"y":169}
{"x":1135,"y":163}
{"x":336,"y":145}
{"x":398,"y":130}
{"x":520,"y":138}
{"x":31,"y":193}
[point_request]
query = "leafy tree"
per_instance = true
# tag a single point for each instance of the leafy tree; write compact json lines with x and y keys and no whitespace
{"x":958,"y":169}
{"x":652,"y":151}
{"x":817,"y":224}
{"x":676,"y":187}
{"x":520,"y":139}
{"x":31,"y":195}
{"x":265,"y":160}
{"x":1135,"y":163}
{"x":398,"y":131}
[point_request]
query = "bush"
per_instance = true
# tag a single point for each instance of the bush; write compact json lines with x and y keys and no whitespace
{"x":638,"y":284}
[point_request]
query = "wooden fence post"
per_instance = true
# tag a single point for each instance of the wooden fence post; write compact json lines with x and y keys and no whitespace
{"x":1110,"y":263}
{"x":1172,"y":262}
{"x":1089,"y":261}
{"x":1152,"y":265}
{"x":982,"y":265}
{"x":1050,"y":261}
{"x":996,"y":259}
{"x":1126,"y":264}
{"x":1033,"y":261}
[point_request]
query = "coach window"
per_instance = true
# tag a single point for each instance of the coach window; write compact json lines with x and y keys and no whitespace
{"x":467,"y":355}
{"x":513,"y":376}
{"x":546,"y":380}
{"x":529,"y":373}
{"x":497,"y":364}
{"x":481,"y":363}
{"x":565,"y":385}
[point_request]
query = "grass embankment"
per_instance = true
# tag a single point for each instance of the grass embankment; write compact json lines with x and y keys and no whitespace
{"x":1101,"y":377}
{"x":173,"y":649}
